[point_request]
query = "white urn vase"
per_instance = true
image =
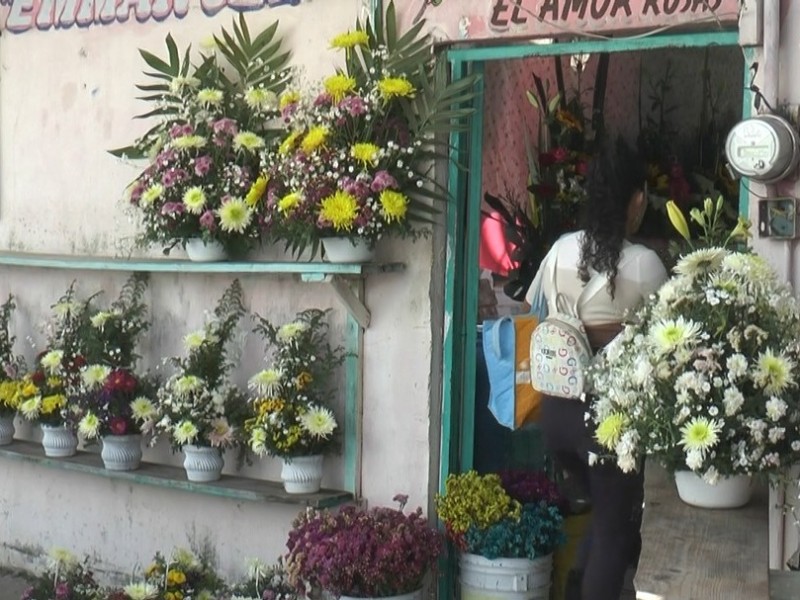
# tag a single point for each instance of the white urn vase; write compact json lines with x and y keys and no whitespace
{"x":6,"y":430}
{"x":202,"y":463}
{"x":121,"y":452}
{"x":729,"y":492}
{"x":200,"y":250}
{"x":302,"y":474}
{"x":347,"y":250}
{"x":58,"y":441}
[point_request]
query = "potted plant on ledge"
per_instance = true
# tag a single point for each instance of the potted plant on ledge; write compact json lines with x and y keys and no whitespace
{"x":503,"y":539}
{"x":290,"y":418}
{"x":196,"y":406}
{"x":376,"y":553}
{"x":11,"y":366}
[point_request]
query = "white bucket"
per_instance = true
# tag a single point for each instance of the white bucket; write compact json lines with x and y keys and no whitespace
{"x":505,"y":578}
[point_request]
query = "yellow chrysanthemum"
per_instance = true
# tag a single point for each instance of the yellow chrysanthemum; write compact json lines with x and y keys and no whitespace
{"x":52,"y":403}
{"x":189,"y":142}
{"x":365,"y":153}
{"x":194,"y":199}
{"x":289,"y":142}
{"x":256,"y":191}
{"x":339,"y":86}
{"x":234,"y":216}
{"x":350,"y":39}
{"x":396,"y":87}
{"x":610,"y":430}
{"x":247,"y":140}
{"x":340,"y":210}
{"x":210,"y":96}
{"x":288,"y":97}
{"x":151,"y":194}
{"x":394,"y":205}
{"x":315,"y":138}
{"x":9,"y":394}
{"x":288,"y":203}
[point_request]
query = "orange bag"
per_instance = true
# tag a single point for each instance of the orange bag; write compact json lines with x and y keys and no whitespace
{"x":527,"y":400}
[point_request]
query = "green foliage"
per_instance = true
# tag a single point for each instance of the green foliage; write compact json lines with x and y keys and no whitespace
{"x":10,"y":363}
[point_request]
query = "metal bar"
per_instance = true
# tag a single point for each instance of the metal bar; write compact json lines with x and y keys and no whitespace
{"x":524,"y":50}
{"x":747,"y":111}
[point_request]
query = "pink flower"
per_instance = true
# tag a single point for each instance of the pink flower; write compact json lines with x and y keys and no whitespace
{"x":180,"y":130}
{"x":353,"y":105}
{"x":202,"y":165}
{"x":324,"y":99}
{"x":225,"y":126}
{"x":163,"y":158}
{"x":382,"y":180}
{"x":207,"y":221}
{"x":221,"y":433}
{"x":62,"y":591}
{"x":172,"y":208}
{"x":288,"y":111}
{"x":560,"y":154}
{"x":136,"y":192}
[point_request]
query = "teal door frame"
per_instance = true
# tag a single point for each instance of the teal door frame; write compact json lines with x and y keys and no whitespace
{"x":463,"y":220}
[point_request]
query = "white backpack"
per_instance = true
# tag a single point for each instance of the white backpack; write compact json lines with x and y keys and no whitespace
{"x":560,"y":349}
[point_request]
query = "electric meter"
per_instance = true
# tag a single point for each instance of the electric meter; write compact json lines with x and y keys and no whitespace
{"x":765,"y":148}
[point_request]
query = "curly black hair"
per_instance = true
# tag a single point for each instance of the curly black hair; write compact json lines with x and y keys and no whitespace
{"x":615,"y":174}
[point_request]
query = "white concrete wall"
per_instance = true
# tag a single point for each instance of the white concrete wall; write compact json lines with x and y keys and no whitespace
{"x":67,"y":95}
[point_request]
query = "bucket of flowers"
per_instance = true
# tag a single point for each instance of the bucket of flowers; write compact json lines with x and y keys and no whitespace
{"x":356,"y":163}
{"x":44,"y":392}
{"x":112,"y":400}
{"x":65,"y":578}
{"x":381,"y":552}
{"x":197,"y":407}
{"x":703,"y":379}
{"x":202,"y":188}
{"x":290,"y":419}
{"x":507,"y":527}
{"x":11,"y":367}
{"x":263,"y":582}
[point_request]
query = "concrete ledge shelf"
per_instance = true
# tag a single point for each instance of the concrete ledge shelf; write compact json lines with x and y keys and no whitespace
{"x":235,"y":488}
{"x":101,"y":263}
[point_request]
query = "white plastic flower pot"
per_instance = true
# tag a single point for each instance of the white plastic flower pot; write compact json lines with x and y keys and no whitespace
{"x":6,"y":430}
{"x":302,"y":474}
{"x":505,"y":578}
{"x":58,"y":441}
{"x":347,"y":250}
{"x":122,"y":452}
{"x":728,"y":492}
{"x":202,"y":463}
{"x":199,"y":250}
{"x":417,"y":595}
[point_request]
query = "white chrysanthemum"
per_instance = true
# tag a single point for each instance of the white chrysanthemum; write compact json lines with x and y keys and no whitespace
{"x":99,"y":319}
{"x":642,"y":372}
{"x":776,"y":408}
{"x":319,"y":422}
{"x":210,"y":96}
{"x":711,"y":476}
{"x":701,"y":261}
{"x":31,"y":407}
{"x":291,"y":330}
{"x":141,"y":591}
{"x":51,"y":361}
{"x":732,"y":400}
{"x":258,"y":440}
{"x":694,"y":459}
{"x":194,"y":339}
{"x":773,"y":372}
{"x":776,"y":434}
{"x":89,"y":426}
{"x":187,"y":384}
{"x":266,"y":382}
{"x":626,"y":463}
{"x":61,"y":558}
{"x":185,"y":433}
{"x":94,"y":376}
{"x":700,"y":434}
{"x":669,"y":334}
{"x":736,"y":365}
{"x":261,"y":99}
{"x":143,"y":409}
{"x":63,"y":310}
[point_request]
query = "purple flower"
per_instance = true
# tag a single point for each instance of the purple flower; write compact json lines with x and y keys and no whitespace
{"x":62,"y":591}
{"x":207,"y":221}
{"x":180,"y":130}
{"x":324,"y":99}
{"x":164,"y":158}
{"x":136,"y":192}
{"x":353,"y":105}
{"x":288,"y":111}
{"x":383,"y":180}
{"x":172,"y":208}
{"x":10,"y":369}
{"x":202,"y":165}
{"x":225,"y":126}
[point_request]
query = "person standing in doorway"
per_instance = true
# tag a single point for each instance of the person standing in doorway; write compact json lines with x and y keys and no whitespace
{"x":617,"y":200}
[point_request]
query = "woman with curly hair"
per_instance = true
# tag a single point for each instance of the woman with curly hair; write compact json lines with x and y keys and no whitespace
{"x":614,"y":209}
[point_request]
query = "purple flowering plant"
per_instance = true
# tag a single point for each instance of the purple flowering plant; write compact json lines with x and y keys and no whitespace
{"x":362,"y":553}
{"x":357,"y":159}
{"x":214,"y":119}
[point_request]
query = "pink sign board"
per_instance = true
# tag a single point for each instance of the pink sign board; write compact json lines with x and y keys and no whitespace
{"x":475,"y":20}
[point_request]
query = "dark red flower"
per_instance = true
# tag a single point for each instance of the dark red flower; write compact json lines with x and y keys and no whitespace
{"x":78,"y":362}
{"x":118,"y":425}
{"x":38,"y":377}
{"x":560,"y":154}
{"x":546,"y":159}
{"x":120,"y":380}
{"x":581,"y":168}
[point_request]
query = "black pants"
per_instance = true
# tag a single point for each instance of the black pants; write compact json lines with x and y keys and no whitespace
{"x":616,"y":498}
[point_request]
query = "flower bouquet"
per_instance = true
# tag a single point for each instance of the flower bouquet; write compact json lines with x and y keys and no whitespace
{"x":197,"y":406}
{"x":183,"y":575}
{"x":111,"y":400}
{"x":12,"y":365}
{"x":290,"y":418}
{"x":45,"y":391}
{"x":704,"y":377}
{"x":66,"y":578}
{"x":359,"y":553}
{"x":202,"y":186}
{"x":264,"y":583}
{"x":357,"y":161}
